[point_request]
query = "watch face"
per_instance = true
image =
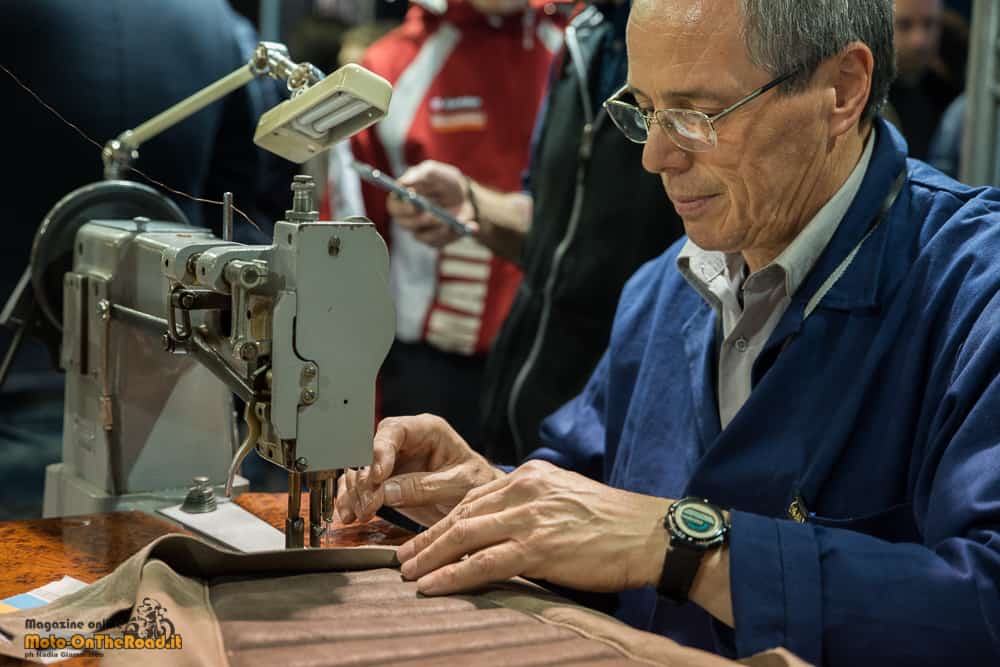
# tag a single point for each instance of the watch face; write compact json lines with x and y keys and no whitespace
{"x":697,"y":521}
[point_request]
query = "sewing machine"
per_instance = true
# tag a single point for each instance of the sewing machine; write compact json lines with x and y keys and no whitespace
{"x":161,"y":323}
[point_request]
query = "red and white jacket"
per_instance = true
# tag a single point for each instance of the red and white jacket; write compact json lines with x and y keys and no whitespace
{"x":466,"y":88}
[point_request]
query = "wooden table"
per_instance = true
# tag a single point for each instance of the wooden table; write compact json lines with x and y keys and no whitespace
{"x":90,"y":546}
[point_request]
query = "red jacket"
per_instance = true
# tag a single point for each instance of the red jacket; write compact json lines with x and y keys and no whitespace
{"x":466,"y":91}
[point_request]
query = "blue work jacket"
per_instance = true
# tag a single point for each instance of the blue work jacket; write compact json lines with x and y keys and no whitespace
{"x":880,"y":412}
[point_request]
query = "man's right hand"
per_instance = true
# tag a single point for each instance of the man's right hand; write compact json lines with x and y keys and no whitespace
{"x":421,"y":467}
{"x":445,"y":186}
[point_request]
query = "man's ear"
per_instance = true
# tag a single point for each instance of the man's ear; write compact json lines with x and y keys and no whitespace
{"x":851,"y":78}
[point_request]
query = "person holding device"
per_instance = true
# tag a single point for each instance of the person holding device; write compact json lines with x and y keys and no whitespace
{"x":467,"y":87}
{"x":570,"y":229}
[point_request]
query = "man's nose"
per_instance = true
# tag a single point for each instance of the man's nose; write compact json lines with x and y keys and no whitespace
{"x":660,"y":154}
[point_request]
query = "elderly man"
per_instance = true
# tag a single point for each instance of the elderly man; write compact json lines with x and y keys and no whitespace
{"x":818,"y":359}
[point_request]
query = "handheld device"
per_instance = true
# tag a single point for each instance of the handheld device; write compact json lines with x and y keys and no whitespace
{"x":378,"y":178}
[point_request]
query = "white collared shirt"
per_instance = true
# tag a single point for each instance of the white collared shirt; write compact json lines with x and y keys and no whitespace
{"x":719,"y":278}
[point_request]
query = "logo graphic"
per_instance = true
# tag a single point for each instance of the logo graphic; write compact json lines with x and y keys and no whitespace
{"x":697,"y":520}
{"x":148,"y":628}
{"x":457,"y":114}
{"x":149,"y":621}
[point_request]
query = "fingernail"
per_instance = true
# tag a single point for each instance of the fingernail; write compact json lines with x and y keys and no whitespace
{"x":405,"y":552}
{"x":393,"y":496}
{"x":407,"y":570}
{"x":427,"y":585}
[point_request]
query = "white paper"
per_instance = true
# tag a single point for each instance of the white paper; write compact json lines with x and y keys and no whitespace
{"x":53,"y":591}
{"x":49,"y":593}
{"x":232,"y":525}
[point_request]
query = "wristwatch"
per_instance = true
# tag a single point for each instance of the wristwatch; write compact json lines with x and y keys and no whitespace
{"x":694,"y":526}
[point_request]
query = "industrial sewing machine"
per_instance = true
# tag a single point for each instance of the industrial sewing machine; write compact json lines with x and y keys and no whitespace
{"x":161,"y":323}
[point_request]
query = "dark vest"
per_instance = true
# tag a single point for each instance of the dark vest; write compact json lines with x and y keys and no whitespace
{"x":598,"y":216}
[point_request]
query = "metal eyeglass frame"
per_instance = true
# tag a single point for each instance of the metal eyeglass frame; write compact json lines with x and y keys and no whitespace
{"x":671,"y":128}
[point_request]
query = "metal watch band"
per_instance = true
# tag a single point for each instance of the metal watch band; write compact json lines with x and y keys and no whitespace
{"x":680,"y":565}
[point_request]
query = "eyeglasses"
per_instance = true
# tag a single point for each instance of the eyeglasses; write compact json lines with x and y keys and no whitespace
{"x":689,"y":129}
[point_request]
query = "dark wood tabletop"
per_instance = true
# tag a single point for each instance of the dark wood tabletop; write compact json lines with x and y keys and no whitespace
{"x":90,"y":546}
{"x":85,"y":547}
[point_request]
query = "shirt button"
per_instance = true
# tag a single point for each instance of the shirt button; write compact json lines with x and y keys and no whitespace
{"x":741,"y":344}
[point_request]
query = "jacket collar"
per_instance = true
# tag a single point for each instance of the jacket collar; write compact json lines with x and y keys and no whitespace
{"x":862,"y":285}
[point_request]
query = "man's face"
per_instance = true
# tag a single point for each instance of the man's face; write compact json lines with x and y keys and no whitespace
{"x":499,"y":7}
{"x":918,"y":33}
{"x":764,"y":180}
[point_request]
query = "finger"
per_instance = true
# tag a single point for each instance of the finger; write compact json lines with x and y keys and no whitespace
{"x":420,"y":174}
{"x":496,"y":563}
{"x":483,"y":505}
{"x":426,"y":489}
{"x":400,"y":209}
{"x":353,"y":498}
{"x":413,"y":175}
{"x":425,"y":224}
{"x":463,"y":536}
{"x":367,"y":493}
{"x":338,"y":498}
{"x":343,"y":503}
{"x":364,"y":496}
{"x":437,"y":236}
{"x":418,"y":222}
{"x":483,"y":490}
{"x":389,"y":439}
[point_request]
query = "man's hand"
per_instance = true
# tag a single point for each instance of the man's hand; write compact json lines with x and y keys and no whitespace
{"x":444,"y":185}
{"x":544,"y":522}
{"x":421,"y":467}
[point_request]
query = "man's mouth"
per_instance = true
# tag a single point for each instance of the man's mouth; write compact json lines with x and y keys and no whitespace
{"x":689,"y":206}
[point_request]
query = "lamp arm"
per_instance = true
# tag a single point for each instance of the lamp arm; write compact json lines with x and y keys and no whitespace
{"x":268,"y":58}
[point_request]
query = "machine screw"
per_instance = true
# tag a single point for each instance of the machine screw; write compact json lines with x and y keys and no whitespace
{"x":192,"y":264}
{"x":250,"y":277}
{"x":303,"y":209}
{"x":187,"y":301}
{"x":103,"y":309}
{"x":308,"y":396}
{"x":309,"y":371}
{"x":200,"y":498}
{"x":248,"y":351}
{"x":302,"y":463}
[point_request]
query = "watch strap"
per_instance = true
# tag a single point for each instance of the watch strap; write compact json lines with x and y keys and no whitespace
{"x":680,"y":566}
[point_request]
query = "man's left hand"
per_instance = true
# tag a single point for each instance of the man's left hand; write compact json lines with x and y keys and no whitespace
{"x":543,"y":522}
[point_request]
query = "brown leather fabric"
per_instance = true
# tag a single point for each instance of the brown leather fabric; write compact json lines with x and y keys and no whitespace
{"x":347,"y":607}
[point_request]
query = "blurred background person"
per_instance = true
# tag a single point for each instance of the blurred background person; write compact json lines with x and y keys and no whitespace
{"x":102,"y":67}
{"x":468,"y":82}
{"x":589,"y":215}
{"x":926,"y":85}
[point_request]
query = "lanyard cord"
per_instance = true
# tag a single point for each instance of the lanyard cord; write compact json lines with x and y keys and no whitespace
{"x":844,"y":265}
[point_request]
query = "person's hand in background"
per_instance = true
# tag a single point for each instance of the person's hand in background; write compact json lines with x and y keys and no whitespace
{"x":443,"y":185}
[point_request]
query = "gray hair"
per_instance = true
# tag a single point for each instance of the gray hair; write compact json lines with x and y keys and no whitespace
{"x":785,"y":35}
